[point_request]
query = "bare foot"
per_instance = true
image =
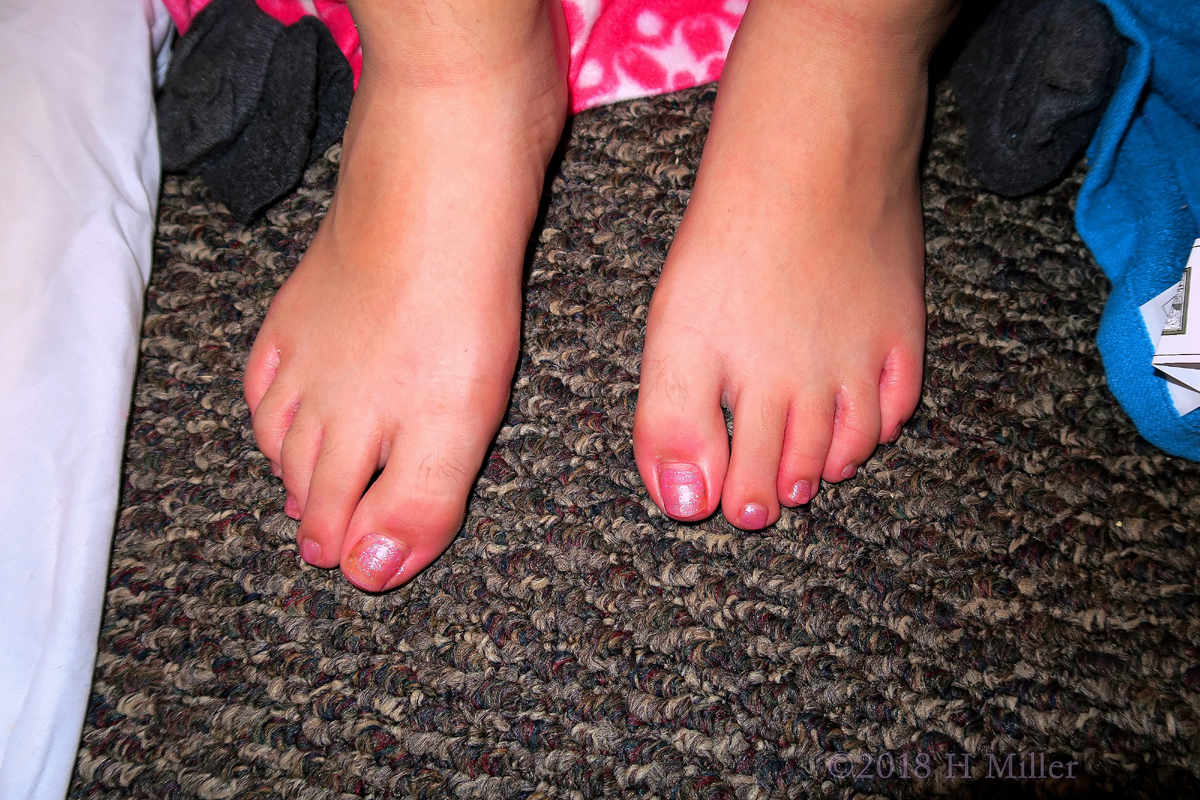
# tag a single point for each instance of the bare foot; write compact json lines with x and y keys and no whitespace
{"x":793,"y":293}
{"x":392,"y":346}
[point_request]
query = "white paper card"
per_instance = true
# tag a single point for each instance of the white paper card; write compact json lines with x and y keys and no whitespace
{"x":1175,"y":338}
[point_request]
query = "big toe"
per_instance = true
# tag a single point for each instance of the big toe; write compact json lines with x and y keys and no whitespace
{"x":411,"y":513}
{"x":679,"y":437}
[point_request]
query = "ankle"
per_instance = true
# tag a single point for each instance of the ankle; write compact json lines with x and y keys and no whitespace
{"x":859,"y":78}
{"x":901,"y":34}
{"x":441,"y":44}
{"x":907,"y":25}
{"x":505,"y":62}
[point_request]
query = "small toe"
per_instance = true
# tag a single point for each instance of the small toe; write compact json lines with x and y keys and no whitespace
{"x":805,"y":447}
{"x":344,"y":467}
{"x":298,"y":457}
{"x":855,"y":431}
{"x":749,"y":498}
{"x":271,"y":420}
{"x":260,"y":371}
{"x":899,"y":392}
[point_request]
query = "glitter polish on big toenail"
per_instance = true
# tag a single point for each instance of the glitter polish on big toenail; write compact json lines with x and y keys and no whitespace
{"x":850,"y":471}
{"x":801,"y":492}
{"x":375,"y":561}
{"x":310,"y":551}
{"x":753,"y":516}
{"x":682,"y":488}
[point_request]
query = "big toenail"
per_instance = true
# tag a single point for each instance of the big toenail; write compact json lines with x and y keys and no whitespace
{"x":291,"y":507}
{"x":850,"y":471}
{"x":801,"y":492}
{"x":753,"y":516}
{"x":310,"y":551}
{"x":682,"y":488}
{"x":375,"y":561}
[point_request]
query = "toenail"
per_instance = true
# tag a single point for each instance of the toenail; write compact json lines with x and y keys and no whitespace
{"x":682,"y":489}
{"x":753,"y":516}
{"x":896,"y":433}
{"x":801,"y":492}
{"x":850,"y":471}
{"x":310,"y":551}
{"x":291,"y":507}
{"x":376,"y":561}
{"x":275,"y":470}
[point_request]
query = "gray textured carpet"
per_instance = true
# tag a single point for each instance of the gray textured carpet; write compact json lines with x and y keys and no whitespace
{"x":1017,"y":574}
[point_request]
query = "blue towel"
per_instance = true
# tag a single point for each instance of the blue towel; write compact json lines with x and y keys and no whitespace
{"x":1139,"y":205}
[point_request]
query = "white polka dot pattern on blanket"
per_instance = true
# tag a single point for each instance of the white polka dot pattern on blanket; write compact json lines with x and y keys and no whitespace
{"x":620,"y":49}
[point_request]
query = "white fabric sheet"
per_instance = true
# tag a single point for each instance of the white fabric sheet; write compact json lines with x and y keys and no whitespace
{"x":79,"y":177}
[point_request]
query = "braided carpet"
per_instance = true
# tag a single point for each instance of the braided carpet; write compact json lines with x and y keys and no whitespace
{"x":1017,"y":574}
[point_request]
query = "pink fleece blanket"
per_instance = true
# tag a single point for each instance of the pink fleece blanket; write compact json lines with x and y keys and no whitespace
{"x":620,"y":49}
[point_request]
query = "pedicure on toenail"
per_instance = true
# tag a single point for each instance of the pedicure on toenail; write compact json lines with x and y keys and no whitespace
{"x":753,"y":516}
{"x":682,"y":488}
{"x":310,"y":551}
{"x":801,"y":492}
{"x":375,"y":561}
{"x":850,"y":471}
{"x":291,"y":507}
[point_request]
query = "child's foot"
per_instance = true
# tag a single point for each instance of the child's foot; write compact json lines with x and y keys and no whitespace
{"x":393,"y":343}
{"x":793,"y":293}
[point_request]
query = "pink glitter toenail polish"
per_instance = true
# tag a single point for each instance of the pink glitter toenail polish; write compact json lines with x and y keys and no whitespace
{"x":291,"y":507}
{"x":753,"y":516}
{"x":682,"y":488}
{"x":310,"y":551}
{"x":375,"y":561}
{"x":850,"y":471}
{"x":801,"y":492}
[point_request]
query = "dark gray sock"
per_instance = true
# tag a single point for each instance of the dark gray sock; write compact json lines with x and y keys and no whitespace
{"x":301,"y":86}
{"x":268,"y":158}
{"x":335,"y":90}
{"x":214,"y":82}
{"x":1032,"y":84}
